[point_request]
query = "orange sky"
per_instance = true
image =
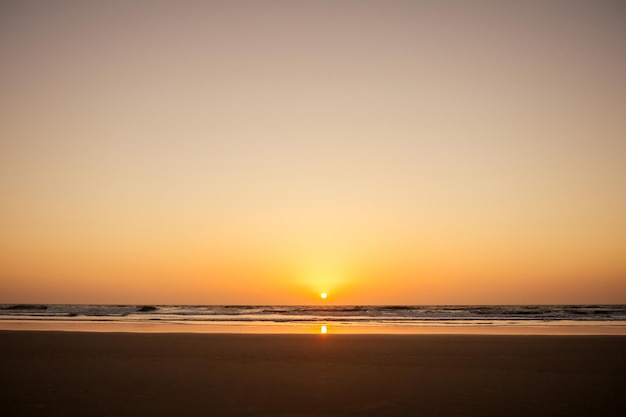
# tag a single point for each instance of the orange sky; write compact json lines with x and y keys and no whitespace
{"x":261,"y":152}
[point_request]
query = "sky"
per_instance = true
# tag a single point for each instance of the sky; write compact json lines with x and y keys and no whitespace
{"x":263,"y":152}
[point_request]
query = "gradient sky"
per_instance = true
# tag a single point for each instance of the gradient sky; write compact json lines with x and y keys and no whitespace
{"x":260,"y":152}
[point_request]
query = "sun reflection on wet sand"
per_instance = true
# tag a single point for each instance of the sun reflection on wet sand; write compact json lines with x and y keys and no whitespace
{"x":134,"y":327}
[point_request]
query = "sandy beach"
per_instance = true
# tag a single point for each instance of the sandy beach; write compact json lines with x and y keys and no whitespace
{"x":135,"y":374}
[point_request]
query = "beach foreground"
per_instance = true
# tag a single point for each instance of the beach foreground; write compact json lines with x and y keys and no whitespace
{"x":135,"y":374}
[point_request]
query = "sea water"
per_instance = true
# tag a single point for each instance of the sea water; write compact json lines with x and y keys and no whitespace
{"x":367,"y":318}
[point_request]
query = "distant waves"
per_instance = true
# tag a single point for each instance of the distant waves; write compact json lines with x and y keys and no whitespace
{"x":346,"y":315}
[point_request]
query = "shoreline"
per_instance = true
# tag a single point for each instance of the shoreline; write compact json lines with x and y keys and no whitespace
{"x":131,"y":374}
{"x":569,"y":328}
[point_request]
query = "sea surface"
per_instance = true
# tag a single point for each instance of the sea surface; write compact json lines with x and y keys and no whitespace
{"x":401,"y":318}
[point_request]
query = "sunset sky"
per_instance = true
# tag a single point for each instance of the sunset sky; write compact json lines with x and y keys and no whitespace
{"x":263,"y":152}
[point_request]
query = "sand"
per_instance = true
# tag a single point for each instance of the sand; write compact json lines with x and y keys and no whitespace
{"x":134,"y":374}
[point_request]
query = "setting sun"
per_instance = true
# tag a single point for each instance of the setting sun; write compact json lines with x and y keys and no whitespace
{"x":472,"y":172}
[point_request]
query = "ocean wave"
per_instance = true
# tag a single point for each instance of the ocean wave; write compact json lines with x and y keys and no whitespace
{"x":297,"y":314}
{"x":36,"y":307}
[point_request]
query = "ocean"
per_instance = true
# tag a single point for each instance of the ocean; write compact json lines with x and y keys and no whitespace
{"x":367,"y":318}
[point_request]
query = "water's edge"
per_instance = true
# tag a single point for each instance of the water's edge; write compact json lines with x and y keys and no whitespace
{"x":527,"y":319}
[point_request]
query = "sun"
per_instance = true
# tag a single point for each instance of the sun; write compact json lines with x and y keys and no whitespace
{"x":323,"y":295}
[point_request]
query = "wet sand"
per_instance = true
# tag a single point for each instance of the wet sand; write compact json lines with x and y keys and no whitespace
{"x":113,"y":326}
{"x":138,"y":374}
